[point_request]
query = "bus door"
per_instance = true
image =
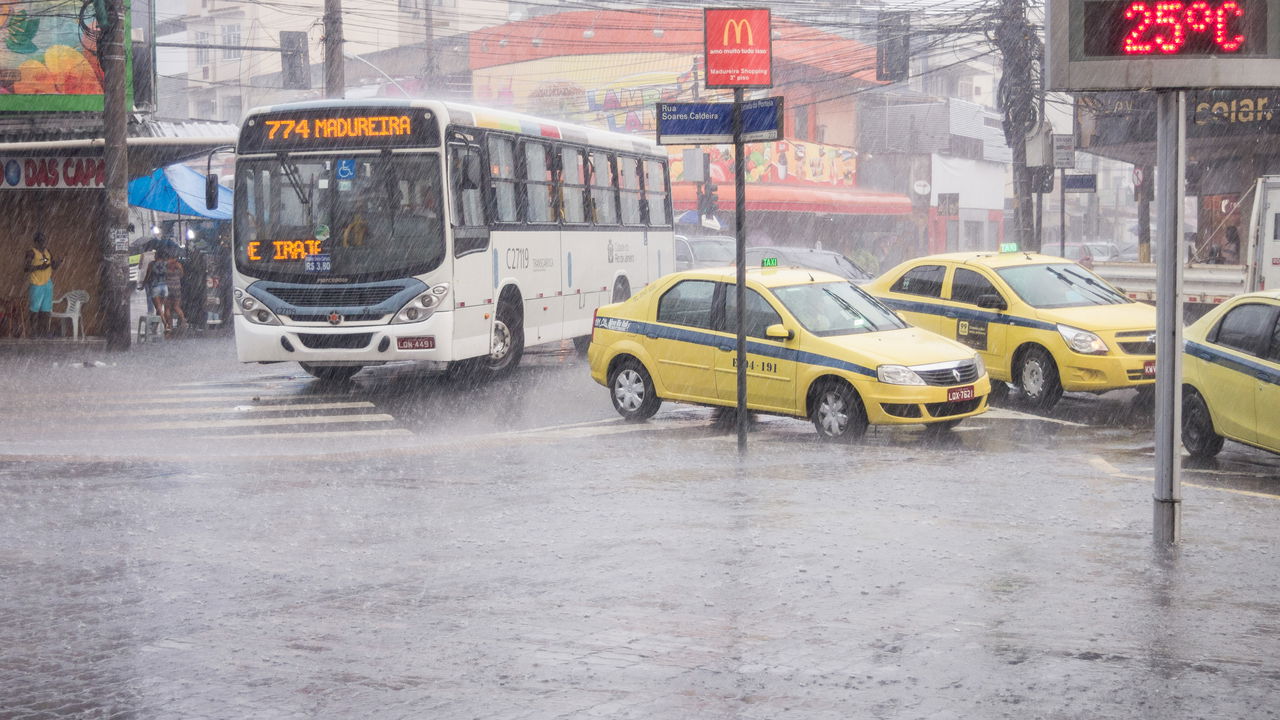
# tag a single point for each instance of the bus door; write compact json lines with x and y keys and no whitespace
{"x":469,"y":224}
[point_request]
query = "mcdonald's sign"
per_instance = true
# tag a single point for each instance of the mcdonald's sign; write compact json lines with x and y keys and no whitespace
{"x":739,"y":47}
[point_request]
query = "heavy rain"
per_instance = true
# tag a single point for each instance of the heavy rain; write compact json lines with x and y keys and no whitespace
{"x":380,"y":359}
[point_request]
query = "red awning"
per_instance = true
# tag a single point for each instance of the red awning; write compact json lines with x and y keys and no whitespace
{"x":788,"y":198}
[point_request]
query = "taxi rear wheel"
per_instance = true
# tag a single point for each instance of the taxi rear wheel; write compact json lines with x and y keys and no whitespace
{"x":1038,"y":378}
{"x":837,"y":412}
{"x":631,"y":390}
{"x":1198,"y":435}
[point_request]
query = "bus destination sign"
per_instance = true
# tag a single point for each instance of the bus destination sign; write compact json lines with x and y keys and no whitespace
{"x":371,"y":127}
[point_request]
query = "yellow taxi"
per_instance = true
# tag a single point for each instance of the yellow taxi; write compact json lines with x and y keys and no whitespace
{"x":818,"y":347}
{"x":1231,"y":376}
{"x":1043,"y":323}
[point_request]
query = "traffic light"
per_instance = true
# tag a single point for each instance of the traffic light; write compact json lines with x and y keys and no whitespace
{"x":893,"y":46}
{"x":710,"y":201}
{"x":295,"y":62}
{"x":1041,"y":179}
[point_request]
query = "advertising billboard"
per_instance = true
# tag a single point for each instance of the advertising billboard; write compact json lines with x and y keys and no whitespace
{"x":48,"y":57}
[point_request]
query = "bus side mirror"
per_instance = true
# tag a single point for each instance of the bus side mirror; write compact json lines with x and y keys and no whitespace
{"x":211,"y":192}
{"x":778,"y":332}
{"x":992,"y":302}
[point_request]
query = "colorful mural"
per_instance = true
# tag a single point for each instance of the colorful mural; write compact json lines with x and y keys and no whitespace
{"x":787,"y":162}
{"x":48,"y":56}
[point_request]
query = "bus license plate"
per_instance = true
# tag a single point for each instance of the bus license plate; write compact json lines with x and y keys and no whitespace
{"x":416,"y":343}
{"x":960,"y":393}
{"x":1149,"y":369}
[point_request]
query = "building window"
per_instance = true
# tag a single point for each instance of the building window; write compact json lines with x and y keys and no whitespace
{"x":231,"y":109}
{"x":231,"y":36}
{"x":202,"y":53}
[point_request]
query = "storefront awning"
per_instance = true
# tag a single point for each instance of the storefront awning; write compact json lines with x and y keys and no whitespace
{"x":787,"y":198}
{"x":179,"y":190}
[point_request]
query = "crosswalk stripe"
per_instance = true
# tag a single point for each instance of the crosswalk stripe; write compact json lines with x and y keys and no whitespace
{"x":390,"y":432}
{"x":281,"y":399}
{"x":254,"y":422}
{"x":218,"y":409}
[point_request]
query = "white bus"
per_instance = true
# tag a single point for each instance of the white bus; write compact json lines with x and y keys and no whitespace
{"x":371,"y":232}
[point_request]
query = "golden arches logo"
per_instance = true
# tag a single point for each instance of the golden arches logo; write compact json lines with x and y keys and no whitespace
{"x":738,"y":26}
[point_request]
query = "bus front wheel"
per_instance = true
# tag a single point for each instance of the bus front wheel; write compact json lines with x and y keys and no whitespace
{"x":507,"y":343}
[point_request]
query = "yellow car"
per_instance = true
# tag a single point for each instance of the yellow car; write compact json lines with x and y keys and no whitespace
{"x":1231,"y":376}
{"x":817,"y":347}
{"x":1043,"y":323}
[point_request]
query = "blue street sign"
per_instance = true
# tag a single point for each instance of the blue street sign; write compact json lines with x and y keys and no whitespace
{"x":1080,"y":183}
{"x":712,"y":123}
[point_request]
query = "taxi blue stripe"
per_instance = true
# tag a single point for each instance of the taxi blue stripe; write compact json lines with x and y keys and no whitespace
{"x":699,"y":337}
{"x":1254,"y":369}
{"x":960,"y":313}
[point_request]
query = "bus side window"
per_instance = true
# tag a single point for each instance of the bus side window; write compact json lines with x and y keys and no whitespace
{"x":604,"y":189}
{"x":656,"y":193}
{"x":539,"y":177}
{"x":502,"y":178}
{"x":574,"y":185}
{"x":629,"y":187}
{"x":466,"y":172}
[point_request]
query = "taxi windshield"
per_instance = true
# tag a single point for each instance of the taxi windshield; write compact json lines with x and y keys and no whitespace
{"x":1060,"y":285}
{"x":836,"y":308}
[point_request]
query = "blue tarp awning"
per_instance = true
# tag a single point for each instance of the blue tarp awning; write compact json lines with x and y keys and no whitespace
{"x":179,"y":190}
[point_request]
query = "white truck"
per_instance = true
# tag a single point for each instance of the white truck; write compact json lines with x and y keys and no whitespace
{"x":1205,"y":285}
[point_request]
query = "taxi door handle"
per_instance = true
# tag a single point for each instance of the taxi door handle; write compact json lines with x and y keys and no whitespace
{"x":950,"y":314}
{"x":725,"y":348}
{"x":1261,"y":375}
{"x":651,"y":336}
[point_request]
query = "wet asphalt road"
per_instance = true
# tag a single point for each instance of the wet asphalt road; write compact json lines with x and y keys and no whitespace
{"x":186,"y":537}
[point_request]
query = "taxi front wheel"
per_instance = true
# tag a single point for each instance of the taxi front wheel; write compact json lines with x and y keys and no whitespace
{"x":1038,"y":378}
{"x":632,"y":391}
{"x":837,"y":413}
{"x":1198,"y":435}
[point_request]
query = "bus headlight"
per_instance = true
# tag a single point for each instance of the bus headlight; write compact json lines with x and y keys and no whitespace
{"x":258,"y":315}
{"x":898,"y":375}
{"x":422,"y":307}
{"x":1082,"y":341}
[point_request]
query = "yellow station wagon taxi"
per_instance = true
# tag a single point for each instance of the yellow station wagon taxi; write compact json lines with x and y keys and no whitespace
{"x":1231,"y":376}
{"x":818,"y":347}
{"x":1043,"y":323}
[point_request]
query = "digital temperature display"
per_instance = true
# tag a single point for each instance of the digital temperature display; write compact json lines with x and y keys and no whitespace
{"x":1174,"y":28}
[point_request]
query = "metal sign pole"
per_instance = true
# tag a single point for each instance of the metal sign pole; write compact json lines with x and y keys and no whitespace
{"x":740,"y":222}
{"x":1170,"y":147}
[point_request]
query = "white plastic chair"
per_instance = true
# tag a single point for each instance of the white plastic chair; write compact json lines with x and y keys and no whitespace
{"x":75,"y":300}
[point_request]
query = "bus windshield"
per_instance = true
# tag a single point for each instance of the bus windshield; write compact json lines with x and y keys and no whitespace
{"x":355,"y":216}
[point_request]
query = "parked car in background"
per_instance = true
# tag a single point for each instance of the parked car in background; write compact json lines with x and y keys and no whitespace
{"x":825,"y":260}
{"x":818,"y":347}
{"x":699,"y":251}
{"x":1231,"y":376}
{"x":1040,"y":322}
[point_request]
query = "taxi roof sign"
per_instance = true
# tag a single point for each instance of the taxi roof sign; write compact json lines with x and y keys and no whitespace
{"x":1008,"y":247}
{"x":769,"y":262}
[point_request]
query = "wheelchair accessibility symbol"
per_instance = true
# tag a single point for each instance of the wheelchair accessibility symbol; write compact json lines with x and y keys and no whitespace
{"x":346,"y":169}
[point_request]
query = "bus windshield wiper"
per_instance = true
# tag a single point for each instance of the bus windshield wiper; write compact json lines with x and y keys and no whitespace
{"x":290,"y":171}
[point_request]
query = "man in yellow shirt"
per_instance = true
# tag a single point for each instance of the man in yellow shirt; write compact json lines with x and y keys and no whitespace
{"x":39,"y":269}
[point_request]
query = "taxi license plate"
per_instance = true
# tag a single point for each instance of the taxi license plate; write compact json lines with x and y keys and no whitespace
{"x":1149,"y":369}
{"x":416,"y":343}
{"x":960,"y":393}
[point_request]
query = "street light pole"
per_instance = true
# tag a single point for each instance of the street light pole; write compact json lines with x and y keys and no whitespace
{"x":334,"y":79}
{"x":114,"y":238}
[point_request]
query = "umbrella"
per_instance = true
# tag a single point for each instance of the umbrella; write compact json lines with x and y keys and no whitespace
{"x":179,"y":190}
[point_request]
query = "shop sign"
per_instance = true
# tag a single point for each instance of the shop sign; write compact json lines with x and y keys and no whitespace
{"x":53,"y":173}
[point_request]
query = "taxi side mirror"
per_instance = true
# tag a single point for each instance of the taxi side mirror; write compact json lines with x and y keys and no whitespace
{"x":992,"y":302}
{"x":779,"y":332}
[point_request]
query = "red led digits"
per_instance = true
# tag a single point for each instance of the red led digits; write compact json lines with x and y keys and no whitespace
{"x":1163,"y":26}
{"x":1226,"y":12}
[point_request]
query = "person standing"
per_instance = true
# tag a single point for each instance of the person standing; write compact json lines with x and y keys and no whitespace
{"x":157,"y":287}
{"x":39,"y":268}
{"x":173,"y":272}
